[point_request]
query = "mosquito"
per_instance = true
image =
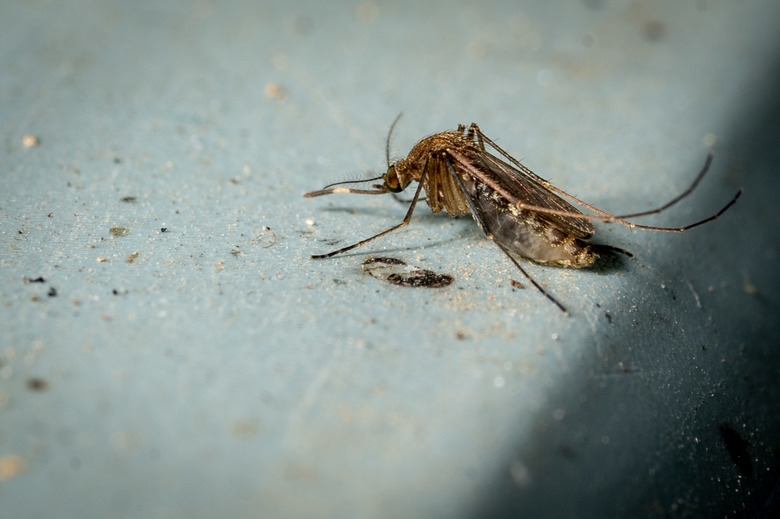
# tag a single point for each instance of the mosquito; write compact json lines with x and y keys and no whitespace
{"x":463,"y":171}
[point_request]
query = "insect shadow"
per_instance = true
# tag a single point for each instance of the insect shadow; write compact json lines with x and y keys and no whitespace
{"x":463,"y":171}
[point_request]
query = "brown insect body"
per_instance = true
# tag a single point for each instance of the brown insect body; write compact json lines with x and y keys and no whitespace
{"x":518,"y":210}
{"x":523,"y":232}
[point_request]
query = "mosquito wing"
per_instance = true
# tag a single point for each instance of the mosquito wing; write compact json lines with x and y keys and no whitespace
{"x":517,"y":184}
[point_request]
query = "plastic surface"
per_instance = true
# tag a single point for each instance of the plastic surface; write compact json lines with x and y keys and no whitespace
{"x":194,"y":362}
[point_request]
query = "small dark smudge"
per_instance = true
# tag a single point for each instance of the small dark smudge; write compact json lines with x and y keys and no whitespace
{"x":119,"y":231}
{"x":566,"y":451}
{"x":129,"y":199}
{"x":52,"y":292}
{"x":737,"y":449}
{"x":516,"y":284}
{"x":608,"y":316}
{"x":163,"y":229}
{"x":397,"y":272}
{"x":654,"y":30}
{"x":39,"y":279}
{"x":37,"y":384}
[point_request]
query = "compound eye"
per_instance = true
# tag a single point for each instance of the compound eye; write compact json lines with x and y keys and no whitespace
{"x":391,"y":181}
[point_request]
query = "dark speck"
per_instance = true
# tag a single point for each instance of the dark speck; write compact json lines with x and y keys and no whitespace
{"x":654,"y":30}
{"x":52,"y":292}
{"x":37,"y":384}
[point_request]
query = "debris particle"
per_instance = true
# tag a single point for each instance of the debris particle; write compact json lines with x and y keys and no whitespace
{"x":275,"y":91}
{"x":119,"y":231}
{"x":270,"y":240}
{"x":310,"y":222}
{"x":29,"y":141}
{"x":516,"y":284}
{"x":397,"y":272}
{"x":11,"y":466}
{"x":128,"y":199}
{"x":39,"y":279}
{"x":52,"y":292}
{"x":131,"y":257}
{"x":37,"y":384}
{"x":101,"y":259}
{"x":695,"y":295}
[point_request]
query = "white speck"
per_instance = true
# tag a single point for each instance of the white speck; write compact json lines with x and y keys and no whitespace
{"x":508,"y":366}
{"x":554,"y":336}
{"x":695,"y":295}
{"x":499,"y":381}
{"x":310,"y":222}
{"x":709,"y":140}
{"x":29,"y":141}
{"x":519,"y":473}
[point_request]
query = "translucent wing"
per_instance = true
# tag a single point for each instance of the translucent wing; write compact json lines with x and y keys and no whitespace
{"x":518,"y":184}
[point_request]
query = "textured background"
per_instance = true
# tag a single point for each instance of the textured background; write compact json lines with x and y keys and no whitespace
{"x":223,"y":373}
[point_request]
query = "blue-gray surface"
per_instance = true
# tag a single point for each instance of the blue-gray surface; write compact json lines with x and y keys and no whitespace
{"x":213,"y":370}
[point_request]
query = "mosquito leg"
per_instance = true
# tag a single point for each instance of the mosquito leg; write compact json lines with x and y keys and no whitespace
{"x":679,"y":197}
{"x":602,"y":246}
{"x":492,"y":238}
{"x":605,"y":216}
{"x":405,"y":221}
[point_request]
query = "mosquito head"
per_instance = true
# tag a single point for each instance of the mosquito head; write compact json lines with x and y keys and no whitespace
{"x":399,"y":175}
{"x":392,"y":182}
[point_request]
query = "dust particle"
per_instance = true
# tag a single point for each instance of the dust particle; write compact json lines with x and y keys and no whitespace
{"x":275,"y":91}
{"x":11,"y":466}
{"x":119,"y":231}
{"x":37,"y":384}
